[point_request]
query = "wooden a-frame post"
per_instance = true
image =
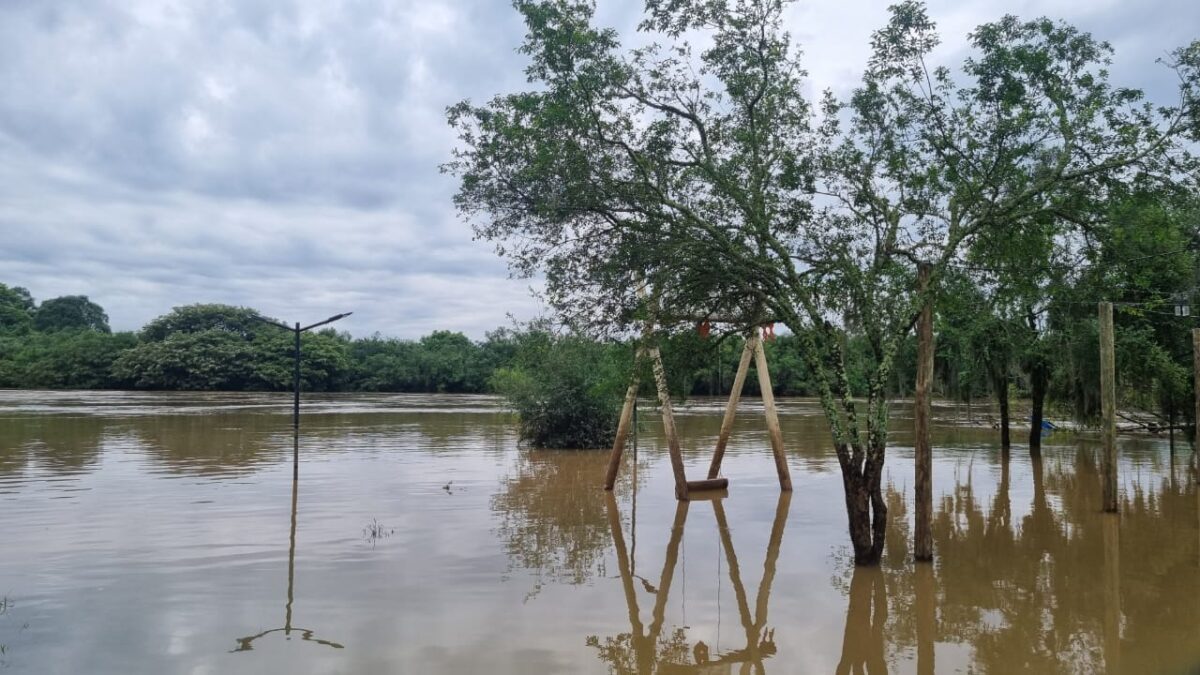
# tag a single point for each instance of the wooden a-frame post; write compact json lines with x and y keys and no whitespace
{"x":649,"y":348}
{"x":614,"y":460}
{"x":753,"y":349}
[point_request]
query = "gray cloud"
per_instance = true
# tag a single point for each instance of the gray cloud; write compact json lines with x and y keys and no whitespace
{"x":284,"y":154}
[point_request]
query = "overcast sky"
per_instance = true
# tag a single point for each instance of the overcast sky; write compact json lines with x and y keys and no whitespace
{"x":284,"y":154}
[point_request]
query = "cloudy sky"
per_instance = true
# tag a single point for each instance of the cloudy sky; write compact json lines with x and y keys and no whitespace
{"x":284,"y":154}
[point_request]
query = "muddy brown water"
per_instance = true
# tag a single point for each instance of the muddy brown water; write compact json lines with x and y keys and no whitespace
{"x":162,"y":533}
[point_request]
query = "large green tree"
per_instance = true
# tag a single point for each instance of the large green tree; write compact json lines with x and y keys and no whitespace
{"x":16,"y":308}
{"x":241,"y":321}
{"x":70,"y":312}
{"x":703,"y":175}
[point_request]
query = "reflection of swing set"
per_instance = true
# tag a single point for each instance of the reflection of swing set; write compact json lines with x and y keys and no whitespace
{"x":760,"y":640}
{"x":752,"y":349}
{"x":246,"y":644}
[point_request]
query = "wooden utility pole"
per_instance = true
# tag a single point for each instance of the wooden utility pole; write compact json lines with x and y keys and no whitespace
{"x":923,"y":539}
{"x":1108,"y":407}
{"x":1196,"y":382}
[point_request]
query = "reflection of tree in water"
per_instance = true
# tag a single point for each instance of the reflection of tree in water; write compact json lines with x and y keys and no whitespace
{"x":1064,"y":589}
{"x":621,"y":652}
{"x":552,"y":514}
{"x":60,"y":444}
{"x":866,"y":618}
{"x":215,"y":444}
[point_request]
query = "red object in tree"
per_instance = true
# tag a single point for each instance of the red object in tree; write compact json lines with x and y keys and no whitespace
{"x":703,"y":328}
{"x":768,"y":332}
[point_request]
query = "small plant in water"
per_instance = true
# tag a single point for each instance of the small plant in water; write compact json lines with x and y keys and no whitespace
{"x":5,"y":605}
{"x":375,"y":530}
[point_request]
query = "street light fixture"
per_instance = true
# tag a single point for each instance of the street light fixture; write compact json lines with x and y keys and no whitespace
{"x":297,"y":330}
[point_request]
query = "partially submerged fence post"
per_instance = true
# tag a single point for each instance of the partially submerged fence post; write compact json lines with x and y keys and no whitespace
{"x":1108,"y":407}
{"x":923,"y":459}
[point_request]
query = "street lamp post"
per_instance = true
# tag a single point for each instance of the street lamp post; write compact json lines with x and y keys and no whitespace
{"x":297,"y":330}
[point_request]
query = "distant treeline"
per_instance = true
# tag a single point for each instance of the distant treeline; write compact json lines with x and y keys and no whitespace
{"x":66,"y":343}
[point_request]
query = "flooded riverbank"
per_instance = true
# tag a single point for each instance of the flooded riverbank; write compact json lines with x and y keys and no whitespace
{"x":163,"y":533}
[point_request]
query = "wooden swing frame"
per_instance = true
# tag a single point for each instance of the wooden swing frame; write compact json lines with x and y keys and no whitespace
{"x":683,"y":487}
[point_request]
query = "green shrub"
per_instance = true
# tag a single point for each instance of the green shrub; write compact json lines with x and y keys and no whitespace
{"x":566,"y":390}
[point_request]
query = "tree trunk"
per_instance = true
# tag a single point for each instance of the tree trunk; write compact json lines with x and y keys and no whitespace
{"x":866,"y":509}
{"x":1000,"y":385}
{"x":1039,"y":377}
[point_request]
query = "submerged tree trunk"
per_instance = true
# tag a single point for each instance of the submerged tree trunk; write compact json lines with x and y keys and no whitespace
{"x":860,"y":456}
{"x":1000,"y":384}
{"x":865,"y":506}
{"x":1039,"y":377}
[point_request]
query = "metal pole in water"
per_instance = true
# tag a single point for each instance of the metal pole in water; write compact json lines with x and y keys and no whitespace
{"x":296,"y":399}
{"x":296,"y":382}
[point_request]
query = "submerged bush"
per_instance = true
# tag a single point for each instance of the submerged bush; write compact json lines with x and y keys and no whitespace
{"x":566,"y":390}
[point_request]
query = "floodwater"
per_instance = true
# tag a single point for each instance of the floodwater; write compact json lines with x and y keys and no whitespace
{"x":163,"y":533}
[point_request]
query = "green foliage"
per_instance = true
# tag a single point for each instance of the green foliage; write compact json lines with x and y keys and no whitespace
{"x":16,"y":309}
{"x":706,"y":174}
{"x":324,"y":360}
{"x":440,"y":362}
{"x":62,"y":359}
{"x":566,"y":390}
{"x":449,"y":362}
{"x":206,"y":360}
{"x":70,"y":312}
{"x":240,"y":321}
{"x":384,"y":364}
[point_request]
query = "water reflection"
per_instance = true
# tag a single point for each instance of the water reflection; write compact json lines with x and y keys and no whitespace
{"x":1067,"y":588}
{"x":552,"y":517}
{"x":1029,"y":576}
{"x":59,"y":444}
{"x":866,"y":619}
{"x":647,"y":650}
{"x":306,"y":634}
{"x":214,"y":445}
